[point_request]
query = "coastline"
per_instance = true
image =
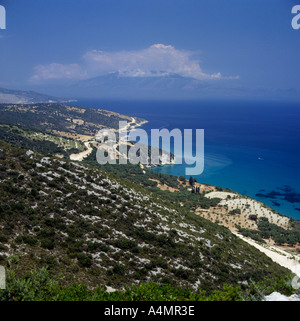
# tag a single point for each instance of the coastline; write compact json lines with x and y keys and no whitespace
{"x":277,"y":254}
{"x":219,"y":170}
{"x":234,"y":159}
{"x":131,"y":127}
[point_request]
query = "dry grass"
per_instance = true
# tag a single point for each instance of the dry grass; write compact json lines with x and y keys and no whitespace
{"x":231,"y":201}
{"x":82,"y":138}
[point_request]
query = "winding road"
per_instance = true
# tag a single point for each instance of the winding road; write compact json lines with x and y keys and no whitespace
{"x":80,"y":156}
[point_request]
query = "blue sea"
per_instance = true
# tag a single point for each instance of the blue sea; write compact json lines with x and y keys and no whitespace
{"x":252,"y":147}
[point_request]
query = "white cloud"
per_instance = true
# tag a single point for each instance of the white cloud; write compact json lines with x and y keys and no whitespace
{"x":156,"y":60}
{"x":58,"y":71}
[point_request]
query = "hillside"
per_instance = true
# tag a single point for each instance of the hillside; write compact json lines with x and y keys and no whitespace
{"x":98,"y":229}
{"x":40,"y":140}
{"x":73,"y":220}
{"x":9,"y":96}
{"x":65,"y":120}
{"x":261,"y":226}
{"x":237,"y":212}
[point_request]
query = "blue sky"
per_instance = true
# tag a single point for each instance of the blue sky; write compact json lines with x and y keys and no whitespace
{"x":232,"y":48}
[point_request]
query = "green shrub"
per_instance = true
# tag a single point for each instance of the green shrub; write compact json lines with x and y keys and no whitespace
{"x":38,"y":285}
{"x":119,"y":269}
{"x":253,"y":217}
{"x":125,"y":244}
{"x":84,"y":260}
{"x":30,"y":240}
{"x":47,"y":244}
{"x":235,"y":211}
{"x":3,"y":238}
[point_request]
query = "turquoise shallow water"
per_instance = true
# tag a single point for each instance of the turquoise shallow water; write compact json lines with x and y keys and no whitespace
{"x":250,"y":146}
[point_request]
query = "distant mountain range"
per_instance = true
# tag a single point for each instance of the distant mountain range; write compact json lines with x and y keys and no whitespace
{"x":117,"y":85}
{"x":8,"y":96}
{"x":172,"y":85}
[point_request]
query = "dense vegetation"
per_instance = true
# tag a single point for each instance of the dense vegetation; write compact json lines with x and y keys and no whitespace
{"x":134,"y":172}
{"x":268,"y":230}
{"x":60,"y":117}
{"x":39,"y":285}
{"x":150,"y":179}
{"x":39,"y":141}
